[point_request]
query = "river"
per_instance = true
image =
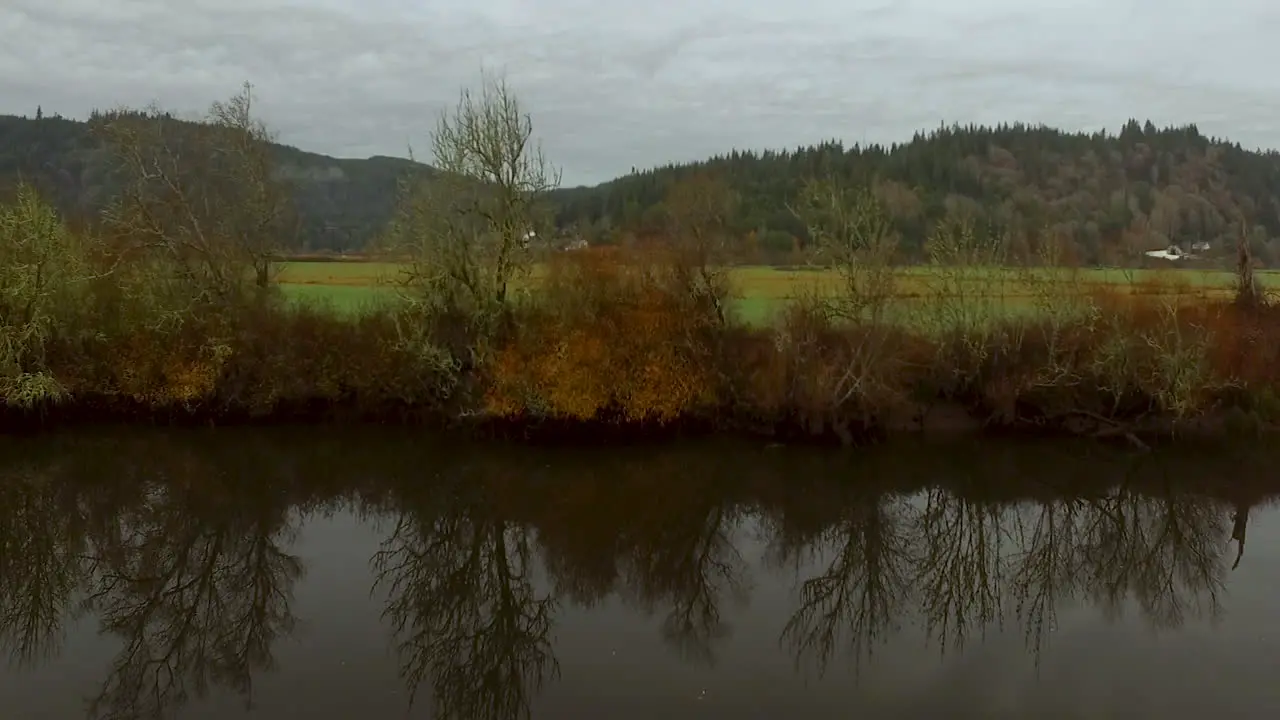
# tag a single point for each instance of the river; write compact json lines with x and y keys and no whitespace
{"x":380,"y":573}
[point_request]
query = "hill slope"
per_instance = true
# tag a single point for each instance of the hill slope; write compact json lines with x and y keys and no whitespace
{"x":1110,"y":195}
{"x":342,"y":203}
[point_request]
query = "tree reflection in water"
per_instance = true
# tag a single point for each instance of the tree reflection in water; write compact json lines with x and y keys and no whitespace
{"x":856,"y":601}
{"x":199,"y":589}
{"x":1048,"y":563}
{"x":953,"y":562}
{"x":185,"y":555}
{"x":466,"y":616}
{"x":43,"y":562}
{"x":688,"y":561}
{"x":959,"y":571}
{"x":187,"y":569}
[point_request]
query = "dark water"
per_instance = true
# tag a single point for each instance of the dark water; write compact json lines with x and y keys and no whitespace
{"x":327,"y":575}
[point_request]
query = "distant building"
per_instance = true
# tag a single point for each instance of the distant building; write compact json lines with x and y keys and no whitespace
{"x":1173,"y":252}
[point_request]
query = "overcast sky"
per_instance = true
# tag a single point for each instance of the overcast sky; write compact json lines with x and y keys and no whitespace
{"x":613,"y":84}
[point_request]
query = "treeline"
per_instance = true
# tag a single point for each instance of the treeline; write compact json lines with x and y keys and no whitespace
{"x":1109,"y":196}
{"x":167,"y":307}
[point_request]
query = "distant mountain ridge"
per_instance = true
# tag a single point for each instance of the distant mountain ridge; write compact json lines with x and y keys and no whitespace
{"x":1111,"y":196}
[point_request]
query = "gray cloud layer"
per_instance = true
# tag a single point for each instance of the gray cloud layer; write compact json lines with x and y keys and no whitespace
{"x":615,"y":84}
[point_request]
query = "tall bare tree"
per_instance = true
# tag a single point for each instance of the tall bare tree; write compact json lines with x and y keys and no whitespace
{"x":266,"y":223}
{"x":853,"y":232}
{"x":698,"y":210}
{"x":470,"y":230}
{"x":201,"y":198}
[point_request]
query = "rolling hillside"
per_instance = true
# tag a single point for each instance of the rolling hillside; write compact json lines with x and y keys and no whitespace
{"x":342,"y":203}
{"x":1110,"y":195}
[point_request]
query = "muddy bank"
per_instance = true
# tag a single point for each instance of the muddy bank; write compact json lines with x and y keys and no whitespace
{"x":938,"y":418}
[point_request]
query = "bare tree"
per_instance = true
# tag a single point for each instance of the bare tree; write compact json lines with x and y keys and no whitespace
{"x":469,"y":231}
{"x":698,"y":208}
{"x":855,"y":234}
{"x":200,"y":198}
{"x":266,"y":221}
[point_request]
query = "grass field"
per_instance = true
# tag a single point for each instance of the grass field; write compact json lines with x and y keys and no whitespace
{"x":761,"y":291}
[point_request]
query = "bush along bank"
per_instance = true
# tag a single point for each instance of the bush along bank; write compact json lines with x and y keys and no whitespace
{"x":616,"y":346}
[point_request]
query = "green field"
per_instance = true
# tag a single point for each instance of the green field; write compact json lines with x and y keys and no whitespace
{"x":760,"y":292}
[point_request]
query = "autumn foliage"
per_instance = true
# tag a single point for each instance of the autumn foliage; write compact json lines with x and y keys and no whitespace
{"x":610,"y":334}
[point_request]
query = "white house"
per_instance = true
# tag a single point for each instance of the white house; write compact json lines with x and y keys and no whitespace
{"x":1173,"y":252}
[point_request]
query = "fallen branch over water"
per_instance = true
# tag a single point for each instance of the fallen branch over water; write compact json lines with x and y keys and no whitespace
{"x":1111,"y":429}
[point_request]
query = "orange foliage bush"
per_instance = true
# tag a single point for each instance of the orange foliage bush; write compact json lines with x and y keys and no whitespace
{"x":1245,"y":343}
{"x":159,"y":368}
{"x":611,"y":333}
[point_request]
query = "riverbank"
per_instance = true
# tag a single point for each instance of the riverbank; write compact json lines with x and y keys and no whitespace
{"x":624,"y":344}
{"x":618,"y":362}
{"x":939,"y":419}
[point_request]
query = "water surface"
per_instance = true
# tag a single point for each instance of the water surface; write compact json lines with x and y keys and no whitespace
{"x":358,"y":574}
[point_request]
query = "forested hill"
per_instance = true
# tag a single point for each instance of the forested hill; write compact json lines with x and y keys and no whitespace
{"x":342,"y":203}
{"x":1112,"y":195}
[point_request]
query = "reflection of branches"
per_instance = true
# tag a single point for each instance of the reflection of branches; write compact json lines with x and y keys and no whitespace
{"x":197,"y":591}
{"x":195,"y":601}
{"x":580,"y":552}
{"x":863,"y":587}
{"x":1163,"y":551}
{"x":41,"y":564}
{"x":1182,"y":560}
{"x":583,"y":574}
{"x":963,"y":557}
{"x":465,"y":613}
{"x":1046,"y":568}
{"x":960,"y":571}
{"x":690,"y":562}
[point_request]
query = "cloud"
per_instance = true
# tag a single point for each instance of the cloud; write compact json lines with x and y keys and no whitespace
{"x":613,"y":85}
